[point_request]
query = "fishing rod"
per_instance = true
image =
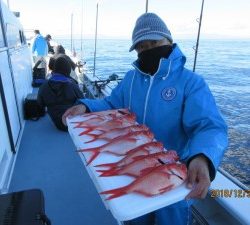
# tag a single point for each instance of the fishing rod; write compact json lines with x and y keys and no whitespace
{"x":71,"y":33}
{"x":146,"y":6}
{"x":81,"y":33}
{"x":96,"y":23}
{"x":198,"y":36}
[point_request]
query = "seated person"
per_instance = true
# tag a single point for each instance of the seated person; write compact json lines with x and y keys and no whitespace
{"x":59,"y":49}
{"x":60,"y":92}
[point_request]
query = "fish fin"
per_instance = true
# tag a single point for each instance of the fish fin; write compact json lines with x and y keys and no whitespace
{"x":101,"y":171}
{"x":78,"y":125}
{"x":114,"y":193}
{"x":88,"y":129}
{"x":108,"y":173}
{"x":89,"y":149}
{"x":94,"y":155}
{"x":110,"y":165}
{"x":95,"y":152}
{"x":94,"y":137}
{"x":163,"y":190}
{"x":105,"y":139}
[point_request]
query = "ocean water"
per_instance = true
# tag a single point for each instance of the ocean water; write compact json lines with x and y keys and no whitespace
{"x":225,"y":65}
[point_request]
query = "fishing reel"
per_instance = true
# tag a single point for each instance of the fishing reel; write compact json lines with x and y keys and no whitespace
{"x":100,"y":84}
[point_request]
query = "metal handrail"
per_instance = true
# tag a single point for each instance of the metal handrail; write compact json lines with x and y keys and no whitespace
{"x":233,"y":179}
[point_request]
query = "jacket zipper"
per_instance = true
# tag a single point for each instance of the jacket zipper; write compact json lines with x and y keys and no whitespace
{"x":147,"y":96}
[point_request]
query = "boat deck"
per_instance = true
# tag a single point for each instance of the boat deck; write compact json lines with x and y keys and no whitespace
{"x":47,"y":160}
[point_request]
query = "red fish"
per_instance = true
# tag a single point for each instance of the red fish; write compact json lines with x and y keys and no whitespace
{"x":121,"y":145}
{"x":114,"y":133}
{"x":158,"y":181}
{"x":136,"y":168}
{"x":92,"y":121}
{"x":123,"y":121}
{"x":101,"y":116}
{"x":116,"y":112}
{"x":142,"y":150}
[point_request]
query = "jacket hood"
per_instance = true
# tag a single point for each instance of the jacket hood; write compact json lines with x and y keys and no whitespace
{"x":57,"y":82}
{"x":39,"y":36}
{"x":167,"y":65}
{"x":59,"y":77}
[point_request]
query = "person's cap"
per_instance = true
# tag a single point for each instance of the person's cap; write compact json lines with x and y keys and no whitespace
{"x":62,"y":65}
{"x":149,"y":26}
{"x":48,"y":36}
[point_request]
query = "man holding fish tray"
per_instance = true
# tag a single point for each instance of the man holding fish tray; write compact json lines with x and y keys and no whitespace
{"x":177,"y":107}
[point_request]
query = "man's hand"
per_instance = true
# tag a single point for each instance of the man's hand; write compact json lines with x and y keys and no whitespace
{"x":198,"y":177}
{"x":73,"y":111}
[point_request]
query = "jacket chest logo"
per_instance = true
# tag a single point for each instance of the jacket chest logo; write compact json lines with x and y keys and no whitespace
{"x":168,"y":93}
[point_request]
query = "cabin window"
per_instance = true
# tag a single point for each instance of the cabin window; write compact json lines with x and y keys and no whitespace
{"x":1,"y":37}
{"x":23,"y":38}
{"x":13,"y":36}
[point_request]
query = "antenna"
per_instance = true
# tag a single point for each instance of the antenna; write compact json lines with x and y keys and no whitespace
{"x":96,"y":23}
{"x":198,"y":37}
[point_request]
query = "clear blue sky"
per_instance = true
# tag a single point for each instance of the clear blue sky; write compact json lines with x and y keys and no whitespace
{"x":221,"y":18}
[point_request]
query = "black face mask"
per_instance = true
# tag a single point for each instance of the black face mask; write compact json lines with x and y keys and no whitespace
{"x":149,"y":60}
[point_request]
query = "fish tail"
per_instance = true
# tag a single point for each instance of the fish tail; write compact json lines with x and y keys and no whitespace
{"x":89,"y":149}
{"x":95,"y":152}
{"x":78,"y":124}
{"x":110,"y":165}
{"x":94,"y":155}
{"x":85,"y":131}
{"x":107,"y":173}
{"x":114,"y":193}
{"x":94,"y":137}
{"x":105,"y":139}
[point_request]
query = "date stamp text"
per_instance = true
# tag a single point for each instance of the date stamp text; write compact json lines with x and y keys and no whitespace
{"x":229,"y":193}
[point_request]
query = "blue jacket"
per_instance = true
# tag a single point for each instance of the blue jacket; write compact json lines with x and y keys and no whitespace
{"x":40,"y":46}
{"x":176,"y":104}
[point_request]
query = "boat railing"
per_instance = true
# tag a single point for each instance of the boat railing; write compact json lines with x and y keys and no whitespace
{"x":233,"y":179}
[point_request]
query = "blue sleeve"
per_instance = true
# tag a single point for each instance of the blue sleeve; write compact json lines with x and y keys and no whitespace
{"x":204,"y":124}
{"x":114,"y":101}
{"x":34,"y":46}
{"x":46,"y":48}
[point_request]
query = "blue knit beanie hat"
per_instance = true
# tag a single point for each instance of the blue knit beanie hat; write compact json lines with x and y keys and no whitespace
{"x":149,"y":26}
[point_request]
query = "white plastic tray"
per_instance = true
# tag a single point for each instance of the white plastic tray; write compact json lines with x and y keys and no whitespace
{"x":128,"y":206}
